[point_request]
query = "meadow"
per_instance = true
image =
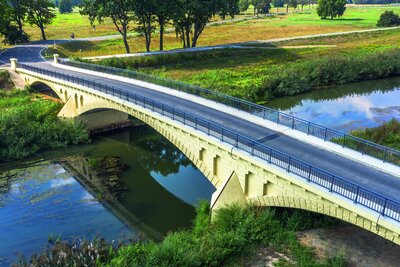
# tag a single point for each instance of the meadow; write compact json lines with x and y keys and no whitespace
{"x":278,"y":26}
{"x":268,"y":70}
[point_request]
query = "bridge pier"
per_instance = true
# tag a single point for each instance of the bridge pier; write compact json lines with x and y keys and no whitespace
{"x":238,"y":174}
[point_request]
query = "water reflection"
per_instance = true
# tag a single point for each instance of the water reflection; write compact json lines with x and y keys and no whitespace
{"x":65,"y":196}
{"x":44,"y":200}
{"x":346,"y":107}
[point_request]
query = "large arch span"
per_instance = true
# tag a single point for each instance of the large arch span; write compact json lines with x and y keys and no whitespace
{"x":237,"y":175}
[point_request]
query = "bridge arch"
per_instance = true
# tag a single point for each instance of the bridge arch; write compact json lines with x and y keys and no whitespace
{"x":47,"y":88}
{"x":256,"y":180}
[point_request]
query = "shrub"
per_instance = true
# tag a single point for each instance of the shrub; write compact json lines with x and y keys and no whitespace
{"x":28,"y":126}
{"x":388,"y":19}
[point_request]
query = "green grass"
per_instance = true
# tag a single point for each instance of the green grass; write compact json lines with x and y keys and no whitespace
{"x":29,"y":124}
{"x":258,"y":74}
{"x":234,"y":236}
{"x":279,"y":26}
{"x":388,"y":134}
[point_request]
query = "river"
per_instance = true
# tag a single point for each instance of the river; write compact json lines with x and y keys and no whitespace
{"x":60,"y":195}
{"x":346,"y":107}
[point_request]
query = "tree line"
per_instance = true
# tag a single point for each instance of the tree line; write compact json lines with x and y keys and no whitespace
{"x":14,"y":14}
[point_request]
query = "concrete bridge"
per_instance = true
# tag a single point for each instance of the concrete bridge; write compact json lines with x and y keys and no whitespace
{"x":248,"y":159}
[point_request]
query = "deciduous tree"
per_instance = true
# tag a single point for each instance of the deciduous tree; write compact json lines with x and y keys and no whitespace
{"x":331,"y":8}
{"x":65,"y":6}
{"x":145,"y":17}
{"x":40,"y":13}
{"x":191,"y":17}
{"x":120,"y":12}
{"x":17,"y":14}
{"x":164,"y":12}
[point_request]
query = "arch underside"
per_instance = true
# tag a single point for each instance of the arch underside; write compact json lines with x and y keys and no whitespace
{"x":261,"y":185}
{"x":329,"y":209}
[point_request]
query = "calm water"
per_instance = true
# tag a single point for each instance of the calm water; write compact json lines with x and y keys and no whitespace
{"x":346,"y":107}
{"x":60,"y":197}
{"x":45,"y":198}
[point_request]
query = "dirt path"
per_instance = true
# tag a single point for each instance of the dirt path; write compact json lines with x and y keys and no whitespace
{"x":243,"y":45}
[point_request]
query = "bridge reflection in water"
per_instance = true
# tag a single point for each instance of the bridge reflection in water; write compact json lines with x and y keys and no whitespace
{"x":224,"y":147}
{"x":143,"y":203}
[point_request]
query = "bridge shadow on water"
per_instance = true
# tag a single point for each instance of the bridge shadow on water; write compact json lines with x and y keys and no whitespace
{"x":161,"y":184}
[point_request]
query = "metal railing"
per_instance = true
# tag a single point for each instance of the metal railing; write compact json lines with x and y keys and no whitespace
{"x":345,"y":140}
{"x":335,"y":184}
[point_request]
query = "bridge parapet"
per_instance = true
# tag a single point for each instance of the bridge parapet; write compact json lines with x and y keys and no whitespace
{"x":264,"y":175}
{"x":365,"y":147}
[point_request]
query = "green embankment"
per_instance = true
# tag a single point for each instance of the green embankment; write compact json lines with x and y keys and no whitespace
{"x":29,"y":124}
{"x":232,"y":239}
{"x":388,"y":134}
{"x":267,"y":71}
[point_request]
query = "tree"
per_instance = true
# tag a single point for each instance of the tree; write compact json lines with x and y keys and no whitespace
{"x":388,"y":19}
{"x":244,"y":5}
{"x":331,"y":8}
{"x":191,"y":17}
{"x":120,"y":12}
{"x":65,"y":6}
{"x":291,"y":3}
{"x":164,"y":12}
{"x":261,"y":6}
{"x":40,"y":13}
{"x":229,"y":7}
{"x":144,"y":10}
{"x":278,"y":4}
{"x":17,"y":14}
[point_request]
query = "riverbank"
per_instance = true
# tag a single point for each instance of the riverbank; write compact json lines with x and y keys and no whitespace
{"x":258,"y":72}
{"x":29,"y":124}
{"x":388,"y":134}
{"x":233,"y":236}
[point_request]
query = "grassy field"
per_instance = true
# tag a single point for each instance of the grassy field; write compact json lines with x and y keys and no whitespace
{"x":242,"y":72}
{"x":280,"y":26}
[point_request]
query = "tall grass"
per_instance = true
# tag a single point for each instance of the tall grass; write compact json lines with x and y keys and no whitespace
{"x":387,"y":134}
{"x":235,"y":233}
{"x":29,"y":124}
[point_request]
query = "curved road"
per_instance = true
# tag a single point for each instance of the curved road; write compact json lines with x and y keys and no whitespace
{"x":358,"y":173}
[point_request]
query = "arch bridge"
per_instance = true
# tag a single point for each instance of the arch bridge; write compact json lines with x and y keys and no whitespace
{"x":243,"y":167}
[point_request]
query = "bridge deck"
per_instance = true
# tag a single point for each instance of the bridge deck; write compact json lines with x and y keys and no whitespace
{"x":383,"y":183}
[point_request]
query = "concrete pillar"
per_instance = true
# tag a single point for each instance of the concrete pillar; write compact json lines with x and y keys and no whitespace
{"x":231,"y":192}
{"x":56,"y":58}
{"x":14,"y":63}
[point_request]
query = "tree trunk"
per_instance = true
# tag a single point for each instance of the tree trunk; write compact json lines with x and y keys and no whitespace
{"x":21,"y":31}
{"x":187,"y":33}
{"x":43,"y":34}
{"x":161,"y":23}
{"x":125,"y":39}
{"x":287,"y":8}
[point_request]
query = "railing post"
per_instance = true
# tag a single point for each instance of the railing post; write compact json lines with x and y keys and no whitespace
{"x":308,"y":128}
{"x":195,"y":125}
{"x":277,"y":118}
{"x":326,"y":133}
{"x":358,"y":191}
{"x":222,"y":134}
{"x":385,"y":155}
{"x":290,"y":161}
{"x":208,"y":130}
{"x":309,"y":174}
{"x":14,"y":63}
{"x":292,"y":123}
{"x":56,"y":59}
{"x":384,"y":207}
{"x":332,"y":180}
{"x":344,"y":140}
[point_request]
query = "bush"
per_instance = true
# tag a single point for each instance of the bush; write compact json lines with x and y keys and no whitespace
{"x":302,"y":77}
{"x":388,"y":19}
{"x":29,"y":125}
